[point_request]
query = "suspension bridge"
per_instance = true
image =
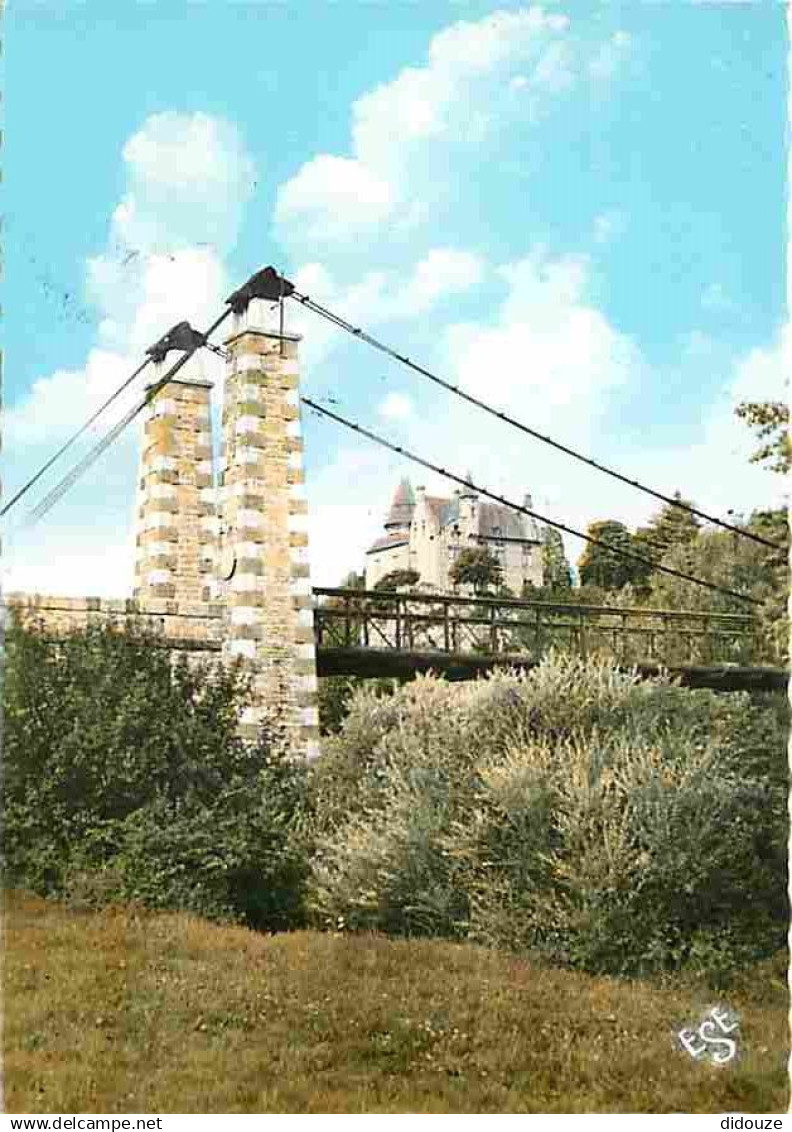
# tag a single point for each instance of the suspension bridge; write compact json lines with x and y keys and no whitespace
{"x":222,"y":560}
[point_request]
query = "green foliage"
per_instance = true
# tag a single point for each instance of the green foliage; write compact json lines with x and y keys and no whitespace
{"x":671,"y":526}
{"x":614,"y":825}
{"x":353,"y":581}
{"x":575,"y":595}
{"x":770,"y":419}
{"x":556,"y":572}
{"x":124,"y":778}
{"x":738,"y":564}
{"x":603,"y":567}
{"x":335,"y":693}
{"x":477,"y":567}
{"x":396,"y":579}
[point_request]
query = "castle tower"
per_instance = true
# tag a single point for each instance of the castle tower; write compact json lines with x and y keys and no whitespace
{"x":402,"y":508}
{"x":263,"y":567}
{"x":176,"y":520}
{"x":468,"y":506}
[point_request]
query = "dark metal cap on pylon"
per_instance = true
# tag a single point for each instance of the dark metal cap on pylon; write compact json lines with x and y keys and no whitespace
{"x":179,"y":337}
{"x":265,"y":284}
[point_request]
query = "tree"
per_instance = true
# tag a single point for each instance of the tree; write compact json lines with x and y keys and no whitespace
{"x":737,"y":564}
{"x":770,"y":419}
{"x":395,"y":579}
{"x":556,"y":572}
{"x":477,"y":567}
{"x":600,"y":566}
{"x":124,"y":778}
{"x":354,"y":581}
{"x":671,"y":526}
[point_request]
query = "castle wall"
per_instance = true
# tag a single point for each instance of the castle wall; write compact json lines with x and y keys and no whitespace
{"x":427,"y":555}
{"x":383,"y":561}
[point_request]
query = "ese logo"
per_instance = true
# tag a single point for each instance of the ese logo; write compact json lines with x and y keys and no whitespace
{"x":711,"y":1039}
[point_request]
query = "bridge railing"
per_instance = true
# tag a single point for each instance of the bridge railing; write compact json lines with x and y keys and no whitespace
{"x":425,"y":623}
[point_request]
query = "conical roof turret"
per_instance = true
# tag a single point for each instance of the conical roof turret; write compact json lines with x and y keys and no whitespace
{"x":402,"y":507}
{"x":468,"y":492}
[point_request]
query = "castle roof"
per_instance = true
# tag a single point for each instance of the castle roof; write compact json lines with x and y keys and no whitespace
{"x":401,"y":509}
{"x":493,"y":520}
{"x":389,"y":541}
{"x":442,"y":511}
{"x":497,"y":521}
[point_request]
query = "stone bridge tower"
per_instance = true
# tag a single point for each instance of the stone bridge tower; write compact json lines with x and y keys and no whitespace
{"x":176,"y":521}
{"x":244,"y":541}
{"x":263,"y":560}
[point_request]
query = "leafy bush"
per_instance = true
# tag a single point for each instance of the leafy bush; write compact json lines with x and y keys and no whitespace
{"x":615,"y":825}
{"x":124,"y":778}
{"x":335,"y":693}
{"x":741,"y":566}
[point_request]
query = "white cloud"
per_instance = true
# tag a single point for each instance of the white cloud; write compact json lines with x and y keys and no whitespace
{"x":378,"y":296}
{"x":62,"y":402}
{"x":548,"y":347}
{"x":441,"y":272}
{"x":71,"y":563}
{"x":345,"y":500}
{"x":715,"y":470}
{"x":402,"y":130}
{"x":424,"y":103}
{"x":353,"y":302}
{"x":555,"y":70}
{"x":188,"y":179}
{"x":331,"y":196}
{"x":396,"y":406}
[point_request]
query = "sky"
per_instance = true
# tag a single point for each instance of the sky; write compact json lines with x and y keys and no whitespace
{"x":576,"y":211}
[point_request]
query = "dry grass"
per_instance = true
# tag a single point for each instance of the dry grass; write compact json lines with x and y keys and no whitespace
{"x":131,"y":1012}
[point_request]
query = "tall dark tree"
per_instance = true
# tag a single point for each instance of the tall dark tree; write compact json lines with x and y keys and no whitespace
{"x":477,"y":567}
{"x":601,"y":566}
{"x":556,"y":571}
{"x":671,"y":526}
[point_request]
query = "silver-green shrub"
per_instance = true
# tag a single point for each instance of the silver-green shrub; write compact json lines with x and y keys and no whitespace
{"x":613,"y":824}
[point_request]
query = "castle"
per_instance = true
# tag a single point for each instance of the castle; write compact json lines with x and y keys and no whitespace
{"x":426,"y":533}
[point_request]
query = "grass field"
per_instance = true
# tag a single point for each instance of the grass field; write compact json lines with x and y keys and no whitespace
{"x":121,"y":1011}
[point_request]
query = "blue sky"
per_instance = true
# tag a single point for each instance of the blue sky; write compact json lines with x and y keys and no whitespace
{"x":577,"y":211}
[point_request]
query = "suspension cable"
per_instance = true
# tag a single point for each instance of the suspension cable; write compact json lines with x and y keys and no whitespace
{"x":64,"y":447}
{"x":63,"y":485}
{"x":357,"y":332}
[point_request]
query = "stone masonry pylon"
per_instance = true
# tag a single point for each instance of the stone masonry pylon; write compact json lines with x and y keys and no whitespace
{"x":264,"y":571}
{"x":176,"y":520}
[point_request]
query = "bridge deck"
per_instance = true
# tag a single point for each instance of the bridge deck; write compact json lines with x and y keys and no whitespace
{"x":370,"y":663}
{"x":373,"y":634}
